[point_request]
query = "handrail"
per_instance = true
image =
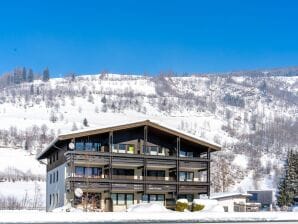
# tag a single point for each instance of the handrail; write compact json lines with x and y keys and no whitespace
{"x":129,"y":155}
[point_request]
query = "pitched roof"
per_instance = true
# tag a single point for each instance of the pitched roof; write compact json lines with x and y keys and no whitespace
{"x":116,"y":127}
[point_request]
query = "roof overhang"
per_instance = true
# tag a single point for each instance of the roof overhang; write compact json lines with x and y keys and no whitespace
{"x":212,"y":146}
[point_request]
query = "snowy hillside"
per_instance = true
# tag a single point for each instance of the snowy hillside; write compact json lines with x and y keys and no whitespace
{"x":253,"y":118}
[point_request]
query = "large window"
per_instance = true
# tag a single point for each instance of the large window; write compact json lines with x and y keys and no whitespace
{"x":80,"y":146}
{"x":184,"y":153}
{"x":122,"y":199}
{"x":88,"y":171}
{"x":87,"y":146}
{"x":123,"y":172}
{"x":154,"y":150}
{"x":146,"y":198}
{"x":189,"y":197}
{"x":186,"y":176}
{"x":124,"y":148}
{"x":156,"y":173}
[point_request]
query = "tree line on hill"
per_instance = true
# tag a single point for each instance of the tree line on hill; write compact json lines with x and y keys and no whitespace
{"x":21,"y":75}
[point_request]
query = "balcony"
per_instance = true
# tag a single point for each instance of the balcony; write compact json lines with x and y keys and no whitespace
{"x":192,"y":165}
{"x":189,"y":189}
{"x":157,"y":188}
{"x":169,"y":179}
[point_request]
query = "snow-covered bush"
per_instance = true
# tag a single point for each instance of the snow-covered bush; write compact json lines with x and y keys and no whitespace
{"x":181,"y":205}
{"x":197,"y":207}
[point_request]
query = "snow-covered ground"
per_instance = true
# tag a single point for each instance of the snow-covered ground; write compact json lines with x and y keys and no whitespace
{"x":20,"y":159}
{"x":133,"y":217}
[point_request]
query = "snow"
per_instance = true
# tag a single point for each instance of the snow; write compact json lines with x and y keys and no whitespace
{"x":196,"y":120}
{"x":131,"y":217}
{"x":240,"y":160}
{"x":18,"y":189}
{"x":228,"y":194}
{"x":20,"y":159}
{"x":148,"y":207}
{"x":209,"y":205}
{"x":295,"y":209}
{"x":183,"y":200}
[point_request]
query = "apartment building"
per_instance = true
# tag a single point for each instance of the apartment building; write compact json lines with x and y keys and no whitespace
{"x":111,"y":168}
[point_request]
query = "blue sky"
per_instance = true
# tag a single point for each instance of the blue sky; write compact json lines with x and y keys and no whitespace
{"x":148,"y":36}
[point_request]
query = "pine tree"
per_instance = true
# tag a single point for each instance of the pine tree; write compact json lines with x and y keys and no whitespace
{"x":288,"y":187}
{"x":24,"y":74}
{"x":30,"y":76}
{"x":46,"y":75}
{"x":85,"y":122}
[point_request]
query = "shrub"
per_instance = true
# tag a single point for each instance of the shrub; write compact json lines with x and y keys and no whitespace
{"x":197,"y":207}
{"x":181,"y":205}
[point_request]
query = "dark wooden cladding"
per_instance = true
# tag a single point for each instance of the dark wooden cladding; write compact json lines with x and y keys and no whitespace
{"x":56,"y":158}
{"x":163,"y":131}
{"x":142,"y":157}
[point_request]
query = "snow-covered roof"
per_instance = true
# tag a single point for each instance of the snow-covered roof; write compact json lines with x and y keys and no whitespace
{"x":124,"y":125}
{"x":229,"y":195}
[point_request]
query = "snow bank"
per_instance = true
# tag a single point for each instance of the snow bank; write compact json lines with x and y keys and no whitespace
{"x":67,"y":208}
{"x":24,"y":216}
{"x":295,"y":209}
{"x":183,"y":200}
{"x":209,"y":205}
{"x":148,"y":207}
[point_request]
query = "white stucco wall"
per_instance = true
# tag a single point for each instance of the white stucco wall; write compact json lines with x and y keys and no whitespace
{"x":56,"y":187}
{"x":229,"y":202}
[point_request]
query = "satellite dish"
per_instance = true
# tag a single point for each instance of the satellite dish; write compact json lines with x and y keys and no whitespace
{"x":78,"y":192}
{"x":71,"y":145}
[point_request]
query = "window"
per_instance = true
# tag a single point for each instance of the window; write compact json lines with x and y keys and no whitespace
{"x":87,"y":171}
{"x":57,"y":155}
{"x":129,"y":199}
{"x":124,"y":172}
{"x":189,"y":197}
{"x":153,"y":197}
{"x":88,"y":146}
{"x":50,"y":199}
{"x":79,"y":171}
{"x":186,"y":176}
{"x":57,"y":201}
{"x":80,"y":146}
{"x":121,"y":148}
{"x":145,"y":149}
{"x":96,"y":147}
{"x":57,"y":176}
{"x":54,"y":177}
{"x":184,"y":153}
{"x":153,"y":150}
{"x":156,"y":173}
{"x":50,"y":159}
{"x":160,"y":197}
{"x":254,"y":197}
{"x":114,"y":198}
{"x":161,"y":151}
{"x":50,"y":178}
{"x":122,"y":199}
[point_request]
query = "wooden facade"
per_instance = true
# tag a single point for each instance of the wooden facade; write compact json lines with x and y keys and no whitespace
{"x":132,"y":163}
